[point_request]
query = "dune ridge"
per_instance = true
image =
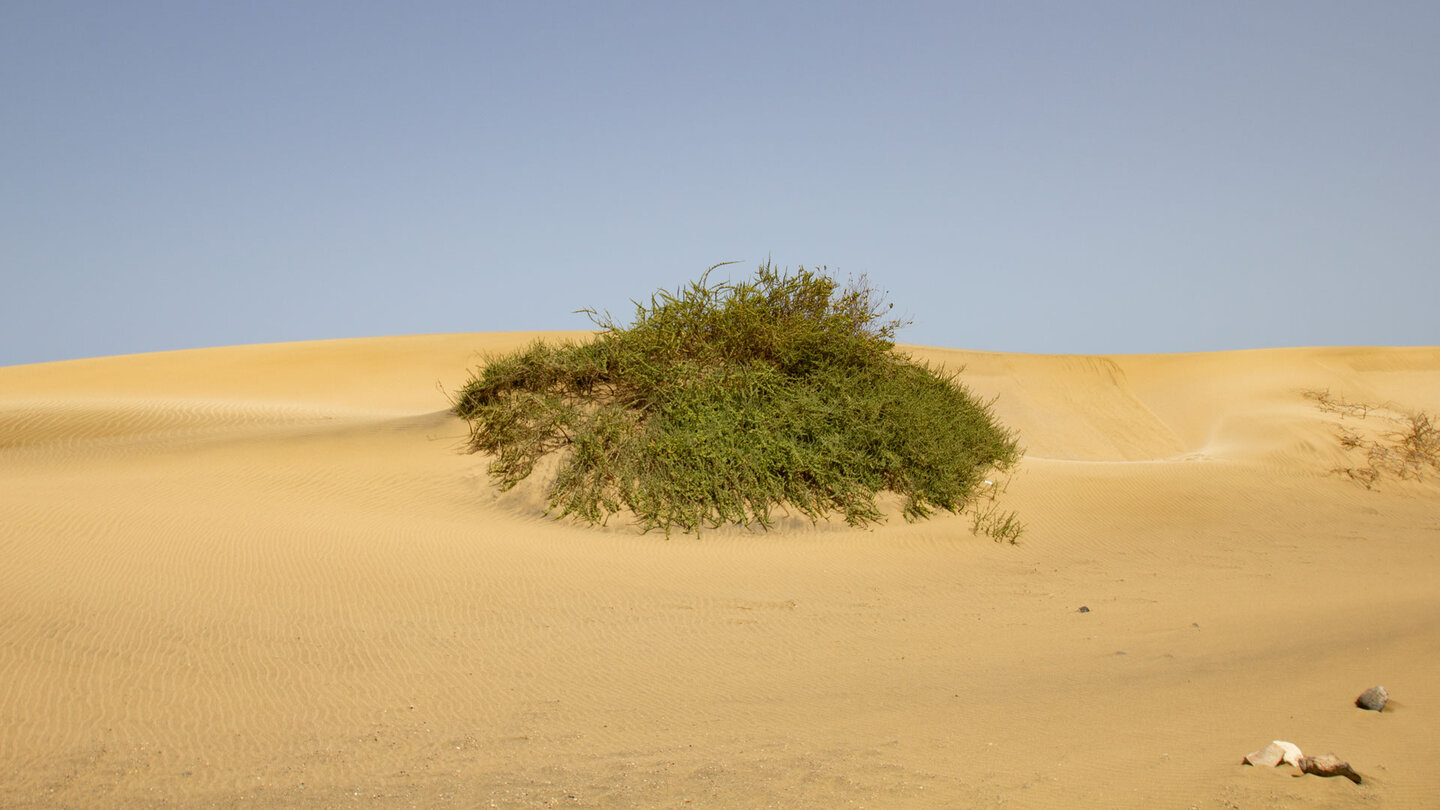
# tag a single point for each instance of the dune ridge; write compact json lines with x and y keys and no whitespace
{"x":267,"y":576}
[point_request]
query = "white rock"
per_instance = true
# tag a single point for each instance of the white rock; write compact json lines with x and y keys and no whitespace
{"x":1275,"y":753}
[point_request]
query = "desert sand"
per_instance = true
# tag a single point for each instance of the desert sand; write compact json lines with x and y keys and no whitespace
{"x":268,"y":576}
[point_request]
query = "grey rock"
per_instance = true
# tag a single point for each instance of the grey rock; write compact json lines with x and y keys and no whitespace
{"x":1374,"y":699}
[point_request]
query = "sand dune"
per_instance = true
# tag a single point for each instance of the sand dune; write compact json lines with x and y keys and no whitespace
{"x":266,"y":576}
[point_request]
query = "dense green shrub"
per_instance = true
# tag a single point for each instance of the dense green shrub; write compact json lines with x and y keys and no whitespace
{"x":722,"y":401}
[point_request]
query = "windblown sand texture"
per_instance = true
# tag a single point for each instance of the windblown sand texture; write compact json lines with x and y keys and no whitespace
{"x":266,"y":576}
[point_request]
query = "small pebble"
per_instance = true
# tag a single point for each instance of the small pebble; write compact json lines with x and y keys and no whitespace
{"x":1083,"y":609}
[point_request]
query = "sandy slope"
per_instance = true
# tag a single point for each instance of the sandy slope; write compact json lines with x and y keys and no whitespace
{"x":264,"y":576}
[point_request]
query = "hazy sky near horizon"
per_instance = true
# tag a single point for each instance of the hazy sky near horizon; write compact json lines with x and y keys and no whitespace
{"x":1058,"y":177}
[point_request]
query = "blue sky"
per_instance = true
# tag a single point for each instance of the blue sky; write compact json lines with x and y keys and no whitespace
{"x":1060,"y":177}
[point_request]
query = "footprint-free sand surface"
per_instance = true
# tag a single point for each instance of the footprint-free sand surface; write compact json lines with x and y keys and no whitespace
{"x":267,"y":576}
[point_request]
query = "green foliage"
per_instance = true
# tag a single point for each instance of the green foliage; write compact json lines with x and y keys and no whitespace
{"x":986,"y":516}
{"x":723,"y":401}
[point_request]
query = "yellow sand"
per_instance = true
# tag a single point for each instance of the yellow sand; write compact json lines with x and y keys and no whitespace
{"x":267,"y":576}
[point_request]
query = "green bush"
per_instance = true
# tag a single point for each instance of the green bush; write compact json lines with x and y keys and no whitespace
{"x":723,"y":401}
